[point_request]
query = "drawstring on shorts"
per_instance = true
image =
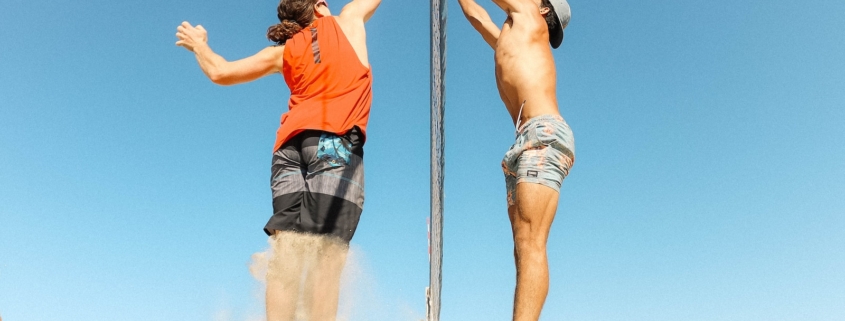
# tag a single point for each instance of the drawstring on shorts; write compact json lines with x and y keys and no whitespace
{"x":519,"y":118}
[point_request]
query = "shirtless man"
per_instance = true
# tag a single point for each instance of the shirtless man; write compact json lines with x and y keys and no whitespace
{"x":544,"y":151}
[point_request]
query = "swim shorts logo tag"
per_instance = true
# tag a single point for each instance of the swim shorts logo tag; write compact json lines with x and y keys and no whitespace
{"x":533,"y":173}
{"x":332,"y":150}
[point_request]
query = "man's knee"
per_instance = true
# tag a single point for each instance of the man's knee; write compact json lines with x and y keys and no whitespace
{"x":529,"y":229}
{"x":529,"y":243}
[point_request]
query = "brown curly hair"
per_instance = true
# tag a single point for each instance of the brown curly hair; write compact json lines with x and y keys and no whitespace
{"x":294,"y":15}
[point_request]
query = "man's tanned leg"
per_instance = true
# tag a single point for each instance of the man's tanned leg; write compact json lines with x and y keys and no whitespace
{"x":284,"y":275}
{"x":323,"y":281}
{"x":531,"y":218}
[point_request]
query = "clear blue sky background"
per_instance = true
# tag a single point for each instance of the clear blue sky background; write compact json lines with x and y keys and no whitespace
{"x":708,"y":185}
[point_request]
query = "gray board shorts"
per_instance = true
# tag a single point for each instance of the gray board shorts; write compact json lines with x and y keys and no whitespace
{"x":317,"y":180}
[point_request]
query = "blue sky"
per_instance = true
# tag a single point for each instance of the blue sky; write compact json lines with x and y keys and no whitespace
{"x":708,"y":183}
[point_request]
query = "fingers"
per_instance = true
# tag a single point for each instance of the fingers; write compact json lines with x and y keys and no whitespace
{"x":183,"y":44}
{"x":188,"y":36}
{"x":187,"y":29}
{"x":182,"y":35}
{"x":184,"y":27}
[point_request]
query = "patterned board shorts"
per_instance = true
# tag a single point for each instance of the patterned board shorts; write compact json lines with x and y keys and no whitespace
{"x":543,"y":153}
{"x":318,"y":184}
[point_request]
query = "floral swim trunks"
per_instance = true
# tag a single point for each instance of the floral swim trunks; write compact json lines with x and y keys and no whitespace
{"x":543,"y":153}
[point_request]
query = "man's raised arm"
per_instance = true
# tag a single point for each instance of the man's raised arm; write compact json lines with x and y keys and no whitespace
{"x":480,"y":20}
{"x":514,"y":6}
{"x":360,"y":9}
{"x":217,"y":68}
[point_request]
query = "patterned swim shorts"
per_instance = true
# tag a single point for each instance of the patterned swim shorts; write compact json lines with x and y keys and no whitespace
{"x":543,"y":153}
{"x":318,"y":184}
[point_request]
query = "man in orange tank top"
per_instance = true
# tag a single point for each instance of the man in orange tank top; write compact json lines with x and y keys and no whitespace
{"x":317,"y":173}
{"x":544,"y":151}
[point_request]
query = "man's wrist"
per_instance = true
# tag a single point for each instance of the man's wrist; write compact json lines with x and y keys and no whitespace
{"x":201,"y":48}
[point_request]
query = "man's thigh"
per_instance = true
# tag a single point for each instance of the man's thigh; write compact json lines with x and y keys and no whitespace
{"x":532,"y":215}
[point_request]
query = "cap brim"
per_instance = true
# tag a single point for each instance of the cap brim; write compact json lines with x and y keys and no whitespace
{"x":562,"y":14}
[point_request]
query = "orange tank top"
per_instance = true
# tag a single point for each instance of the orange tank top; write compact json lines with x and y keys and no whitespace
{"x":330,"y":90}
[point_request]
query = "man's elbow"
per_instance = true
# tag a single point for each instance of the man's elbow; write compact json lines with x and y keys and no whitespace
{"x":214,"y":76}
{"x":476,"y":22}
{"x":471,"y":16}
{"x":219,"y":78}
{"x":225,"y":82}
{"x":474,"y":15}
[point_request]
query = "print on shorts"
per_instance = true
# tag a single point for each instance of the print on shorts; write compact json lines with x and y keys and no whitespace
{"x":543,"y":154}
{"x":332,"y":150}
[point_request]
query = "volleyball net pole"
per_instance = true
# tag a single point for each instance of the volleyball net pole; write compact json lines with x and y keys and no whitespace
{"x":438,"y":95}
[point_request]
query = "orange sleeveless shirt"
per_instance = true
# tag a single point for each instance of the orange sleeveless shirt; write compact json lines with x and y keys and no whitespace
{"x":330,"y":90}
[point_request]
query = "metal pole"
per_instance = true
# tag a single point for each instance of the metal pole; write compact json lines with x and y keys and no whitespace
{"x":438,"y":71}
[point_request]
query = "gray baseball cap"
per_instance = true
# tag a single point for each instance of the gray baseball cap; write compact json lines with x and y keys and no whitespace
{"x":562,"y":14}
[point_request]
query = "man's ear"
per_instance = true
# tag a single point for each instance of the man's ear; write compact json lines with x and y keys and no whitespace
{"x":544,"y":11}
{"x":319,"y":13}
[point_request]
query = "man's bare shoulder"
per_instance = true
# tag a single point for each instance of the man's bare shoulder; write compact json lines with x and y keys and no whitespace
{"x":273,"y":54}
{"x":275,"y":51}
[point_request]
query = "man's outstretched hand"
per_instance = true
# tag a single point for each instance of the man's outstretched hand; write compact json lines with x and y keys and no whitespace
{"x":190,"y":37}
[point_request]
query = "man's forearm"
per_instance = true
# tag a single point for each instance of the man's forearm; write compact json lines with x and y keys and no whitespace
{"x":210,"y":62}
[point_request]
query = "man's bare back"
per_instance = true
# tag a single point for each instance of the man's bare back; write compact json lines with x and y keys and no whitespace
{"x":525,"y":68}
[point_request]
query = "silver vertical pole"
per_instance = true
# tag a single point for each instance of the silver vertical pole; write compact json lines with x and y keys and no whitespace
{"x":438,"y":72}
